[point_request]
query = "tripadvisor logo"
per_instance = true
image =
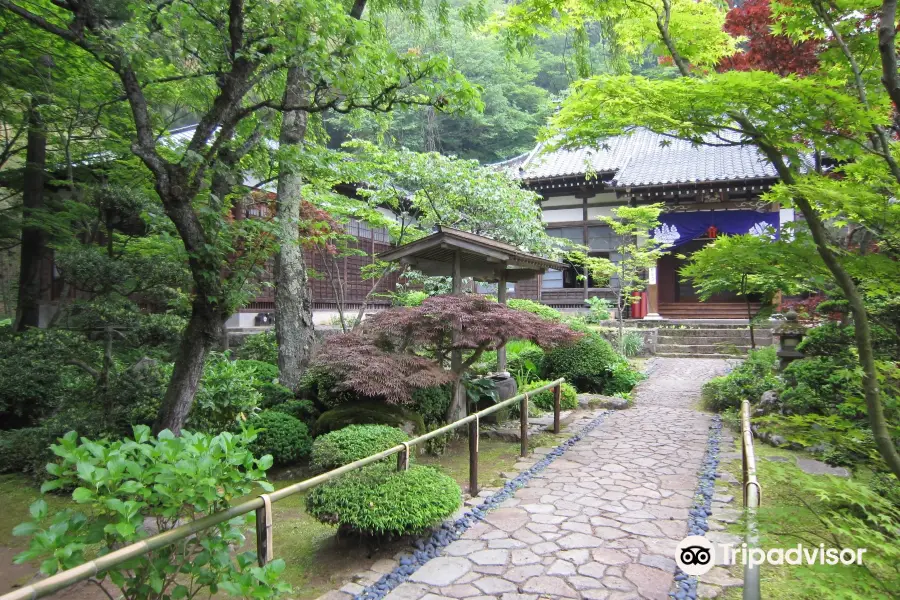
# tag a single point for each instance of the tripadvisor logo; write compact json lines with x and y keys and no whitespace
{"x":696,"y":555}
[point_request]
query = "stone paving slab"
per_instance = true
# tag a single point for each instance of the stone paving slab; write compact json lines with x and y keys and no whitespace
{"x":600,"y":522}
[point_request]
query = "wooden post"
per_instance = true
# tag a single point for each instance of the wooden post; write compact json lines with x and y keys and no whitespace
{"x":473,"y":458}
{"x":523,"y":426}
{"x":459,"y":392}
{"x":557,"y":394}
{"x":501,"y":298}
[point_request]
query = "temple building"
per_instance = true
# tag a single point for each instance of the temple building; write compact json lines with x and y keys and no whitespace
{"x":708,"y":190}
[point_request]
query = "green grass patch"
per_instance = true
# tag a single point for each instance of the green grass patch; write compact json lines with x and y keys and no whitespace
{"x":17,"y":493}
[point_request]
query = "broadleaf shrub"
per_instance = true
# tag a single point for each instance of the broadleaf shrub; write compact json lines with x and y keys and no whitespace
{"x":353,"y":443}
{"x":284,"y":437}
{"x":257,"y":369}
{"x":586,"y":364}
{"x":622,"y":379}
{"x":379,"y":500}
{"x":227,"y":391}
{"x":544,"y":400}
{"x":747,"y":381}
{"x":261,"y":346}
{"x":119,"y":484}
{"x":535,"y":308}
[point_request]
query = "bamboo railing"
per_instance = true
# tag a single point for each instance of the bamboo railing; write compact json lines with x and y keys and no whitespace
{"x":752,"y":499}
{"x":262,"y":504}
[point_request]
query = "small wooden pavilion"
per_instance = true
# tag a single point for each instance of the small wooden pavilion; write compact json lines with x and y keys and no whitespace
{"x":458,"y":254}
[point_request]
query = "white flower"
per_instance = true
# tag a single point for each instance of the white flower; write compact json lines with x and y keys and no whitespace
{"x":762,"y":229}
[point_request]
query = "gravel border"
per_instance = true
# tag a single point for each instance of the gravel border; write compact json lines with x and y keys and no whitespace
{"x":685,"y":586}
{"x":450,"y":531}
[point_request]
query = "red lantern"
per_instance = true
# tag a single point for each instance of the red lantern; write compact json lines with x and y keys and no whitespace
{"x":712,"y":232}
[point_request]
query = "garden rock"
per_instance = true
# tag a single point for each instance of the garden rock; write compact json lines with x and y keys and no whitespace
{"x":601,"y":401}
{"x":816,"y":467}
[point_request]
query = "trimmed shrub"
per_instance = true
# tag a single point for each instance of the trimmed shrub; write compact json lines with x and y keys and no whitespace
{"x":26,"y":450}
{"x":226,"y":392}
{"x":285,"y":437}
{"x":409,"y":298}
{"x":528,"y":360}
{"x":535,"y":308}
{"x":369,"y":413}
{"x":261,"y":346}
{"x":431,"y":403}
{"x":274,"y":394}
{"x":544,"y":400}
{"x":299,"y":409}
{"x":379,"y":500}
{"x":352,"y":443}
{"x":749,"y":381}
{"x":829,"y":339}
{"x":586,"y":364}
{"x":820,"y":385}
{"x":317,"y":384}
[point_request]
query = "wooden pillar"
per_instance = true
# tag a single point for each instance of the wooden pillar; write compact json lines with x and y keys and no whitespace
{"x":459,"y":390}
{"x":557,"y":397}
{"x":652,"y":296}
{"x":501,"y":298}
{"x":473,"y":458}
{"x":523,"y":426}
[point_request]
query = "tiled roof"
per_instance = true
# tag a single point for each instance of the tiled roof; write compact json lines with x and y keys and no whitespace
{"x":643,"y":158}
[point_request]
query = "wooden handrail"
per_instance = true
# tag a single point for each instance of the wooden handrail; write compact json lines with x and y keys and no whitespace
{"x":752,"y":499}
{"x":106,"y":562}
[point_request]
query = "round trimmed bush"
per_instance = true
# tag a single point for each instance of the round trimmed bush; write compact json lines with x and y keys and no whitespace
{"x":300,"y":409}
{"x":260,"y":346}
{"x":587,"y":364}
{"x":535,"y":308}
{"x":544,"y":400}
{"x":431,"y":403}
{"x":274,"y":395}
{"x":352,"y":443}
{"x":285,"y":437}
{"x":379,"y":500}
{"x":369,"y":413}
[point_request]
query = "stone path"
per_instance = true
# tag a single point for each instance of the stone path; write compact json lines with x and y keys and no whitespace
{"x":602,"y":521}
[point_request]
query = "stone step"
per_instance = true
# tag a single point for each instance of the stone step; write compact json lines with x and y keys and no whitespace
{"x":692,"y":349}
{"x":672,"y":339}
{"x":689,"y":355}
{"x":720,"y":333}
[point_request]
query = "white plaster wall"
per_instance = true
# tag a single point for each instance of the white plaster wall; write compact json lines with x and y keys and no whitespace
{"x":565,"y":214}
{"x":560,"y":201}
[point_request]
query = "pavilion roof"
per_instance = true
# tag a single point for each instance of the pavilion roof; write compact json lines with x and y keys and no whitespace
{"x":481,"y":258}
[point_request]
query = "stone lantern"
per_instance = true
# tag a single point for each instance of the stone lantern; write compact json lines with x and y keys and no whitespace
{"x":790,"y":333}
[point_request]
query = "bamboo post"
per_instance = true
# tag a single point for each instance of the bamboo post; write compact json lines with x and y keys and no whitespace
{"x":557,"y":394}
{"x":501,"y":298}
{"x":403,"y":458}
{"x":264,"y":549}
{"x":473,"y":457}
{"x":523,"y":425}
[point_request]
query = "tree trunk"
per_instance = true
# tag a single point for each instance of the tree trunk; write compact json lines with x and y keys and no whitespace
{"x":202,"y":332}
{"x":293,"y":302}
{"x":34,"y":242}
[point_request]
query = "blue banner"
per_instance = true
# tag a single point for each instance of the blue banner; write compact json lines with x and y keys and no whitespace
{"x":678,"y":229}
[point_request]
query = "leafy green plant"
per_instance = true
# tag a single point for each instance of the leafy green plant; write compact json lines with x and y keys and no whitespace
{"x":586,"y":364}
{"x":822,"y":385}
{"x":353,"y":443}
{"x":544,"y":400}
{"x":408,"y":298}
{"x":280,"y":435}
{"x":379,"y":500}
{"x":541,"y":310}
{"x":622,"y":379}
{"x":227,"y":391}
{"x":118,"y":485}
{"x":632,"y":343}
{"x":480,"y":390}
{"x":747,"y":381}
{"x":599,"y":310}
{"x":263,"y":372}
{"x":261,"y":346}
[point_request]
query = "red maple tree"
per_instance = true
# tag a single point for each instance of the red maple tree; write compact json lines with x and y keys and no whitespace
{"x":764,"y":51}
{"x":404,"y":348}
